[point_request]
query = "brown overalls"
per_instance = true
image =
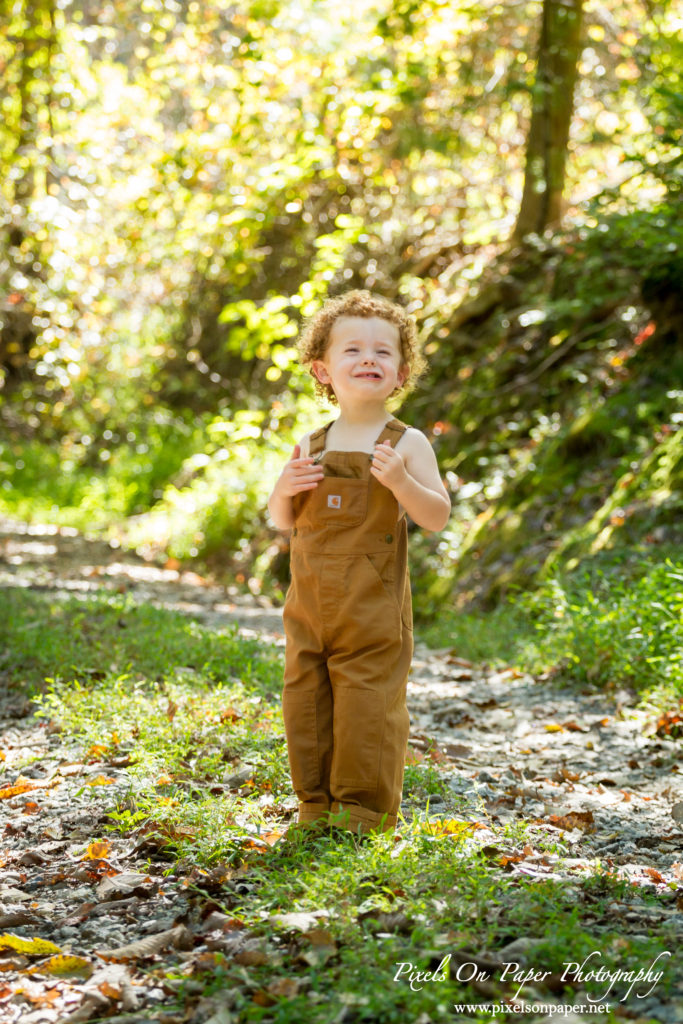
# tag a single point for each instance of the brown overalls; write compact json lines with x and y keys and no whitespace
{"x":348,"y":624}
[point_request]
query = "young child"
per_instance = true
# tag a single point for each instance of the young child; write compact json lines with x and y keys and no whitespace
{"x":345,"y":493}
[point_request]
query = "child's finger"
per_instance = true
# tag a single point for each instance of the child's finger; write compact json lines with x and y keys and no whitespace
{"x":296,"y":453}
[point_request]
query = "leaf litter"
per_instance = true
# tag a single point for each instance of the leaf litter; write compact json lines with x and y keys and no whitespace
{"x":106,"y":932}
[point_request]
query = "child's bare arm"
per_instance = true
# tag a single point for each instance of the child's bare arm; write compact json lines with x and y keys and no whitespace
{"x":412,"y":475}
{"x":299,"y":474}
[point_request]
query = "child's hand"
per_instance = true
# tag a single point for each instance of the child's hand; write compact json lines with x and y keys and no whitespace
{"x":388,"y":466}
{"x":298,"y":475}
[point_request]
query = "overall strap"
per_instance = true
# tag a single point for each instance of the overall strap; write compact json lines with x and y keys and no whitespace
{"x":316,"y":442}
{"x":392,"y":432}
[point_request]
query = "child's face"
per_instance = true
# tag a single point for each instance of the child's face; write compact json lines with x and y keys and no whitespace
{"x":363,"y":359}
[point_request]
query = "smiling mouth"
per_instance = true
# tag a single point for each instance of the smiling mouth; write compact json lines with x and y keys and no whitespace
{"x":368,"y":376}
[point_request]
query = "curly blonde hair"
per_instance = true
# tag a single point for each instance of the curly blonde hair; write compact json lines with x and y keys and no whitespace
{"x":315,"y":337}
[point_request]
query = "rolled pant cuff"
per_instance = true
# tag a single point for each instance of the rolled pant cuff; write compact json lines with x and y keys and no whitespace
{"x":309,"y":813}
{"x":361,"y":819}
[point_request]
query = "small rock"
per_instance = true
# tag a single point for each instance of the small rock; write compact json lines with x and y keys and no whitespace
{"x":518,"y":948}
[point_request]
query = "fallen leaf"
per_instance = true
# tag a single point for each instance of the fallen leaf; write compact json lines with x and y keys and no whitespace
{"x":14,"y":918}
{"x":301,"y":921}
{"x":63,"y":965}
{"x":97,"y":750}
{"x":100,"y":780}
{"x":177,"y":938}
{"x":28,"y":947}
{"x":97,"y":850}
{"x":22,"y":785}
{"x":565,"y":775}
{"x":285,"y":987}
{"x":553,"y":727}
{"x":126,"y":883}
{"x":575,"y":819}
{"x":507,"y":859}
{"x":456,"y":750}
{"x":320,"y":937}
{"x":263,"y":998}
{"x":251,"y":958}
{"x":450,"y":827}
{"x":670,"y":724}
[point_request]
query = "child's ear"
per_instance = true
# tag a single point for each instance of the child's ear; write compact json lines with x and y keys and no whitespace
{"x":319,"y":371}
{"x":403,"y":374}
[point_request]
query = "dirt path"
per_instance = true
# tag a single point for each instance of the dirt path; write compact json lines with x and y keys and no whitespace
{"x":511,"y":748}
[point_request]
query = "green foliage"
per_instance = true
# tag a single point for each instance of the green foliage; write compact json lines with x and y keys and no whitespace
{"x":185,"y":189}
{"x":612,"y":626}
{"x":617,"y":621}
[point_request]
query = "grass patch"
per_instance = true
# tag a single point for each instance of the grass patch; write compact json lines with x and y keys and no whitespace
{"x":616,"y":622}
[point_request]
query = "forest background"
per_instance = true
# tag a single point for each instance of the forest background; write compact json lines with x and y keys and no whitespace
{"x":183,"y":183}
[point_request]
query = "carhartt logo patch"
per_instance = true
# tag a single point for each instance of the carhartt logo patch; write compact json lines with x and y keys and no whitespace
{"x":334,"y":500}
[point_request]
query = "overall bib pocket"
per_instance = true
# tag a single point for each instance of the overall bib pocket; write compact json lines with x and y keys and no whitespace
{"x":337,"y":501}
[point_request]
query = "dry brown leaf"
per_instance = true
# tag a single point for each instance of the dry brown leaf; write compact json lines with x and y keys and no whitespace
{"x":456,"y":750}
{"x":178,"y":938}
{"x":321,"y":937}
{"x":13,"y":963}
{"x":655,"y":876}
{"x":112,"y":992}
{"x":507,"y":859}
{"x":263,"y":998}
{"x":18,"y":917}
{"x":565,"y":775}
{"x":251,"y":958}
{"x":126,"y":883}
{"x":575,"y":819}
{"x":286,"y":988}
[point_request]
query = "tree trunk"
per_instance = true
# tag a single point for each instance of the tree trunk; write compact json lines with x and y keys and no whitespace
{"x":553,"y":104}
